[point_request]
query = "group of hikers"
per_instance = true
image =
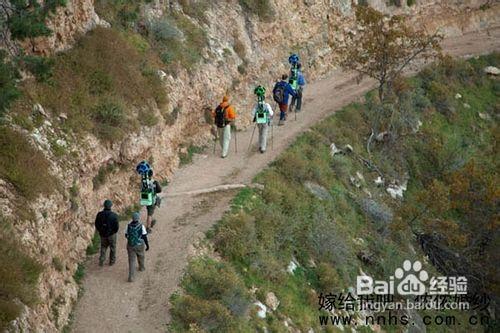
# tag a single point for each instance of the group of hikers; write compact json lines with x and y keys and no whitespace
{"x":106,"y":222}
{"x":289,"y":85}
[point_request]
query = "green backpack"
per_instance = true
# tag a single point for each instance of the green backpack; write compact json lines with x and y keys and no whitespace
{"x":134,"y":234}
{"x":262,"y":115}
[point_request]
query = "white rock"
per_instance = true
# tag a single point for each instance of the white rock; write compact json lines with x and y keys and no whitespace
{"x":458,"y":96}
{"x":272,"y":301}
{"x":348,"y":148}
{"x":292,"y":266}
{"x":39,"y":108}
{"x":61,"y":142}
{"x":379,"y":181}
{"x":360,"y":176}
{"x":334,"y":150}
{"x":396,"y":191}
{"x":63,"y":116}
{"x":492,"y":70}
{"x":161,"y":74}
{"x":381,"y":136}
{"x":354,"y":181}
{"x":467,"y":106}
{"x":261,"y":312}
{"x":484,"y":116}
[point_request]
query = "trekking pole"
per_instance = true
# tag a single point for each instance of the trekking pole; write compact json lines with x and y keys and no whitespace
{"x":272,"y":136}
{"x":235,"y":141}
{"x":251,"y":139}
{"x":215,"y":141}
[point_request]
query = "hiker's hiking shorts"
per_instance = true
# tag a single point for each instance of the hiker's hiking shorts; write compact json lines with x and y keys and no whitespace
{"x":151,"y":210}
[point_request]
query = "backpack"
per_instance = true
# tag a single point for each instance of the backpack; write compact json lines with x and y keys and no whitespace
{"x":262,"y":115}
{"x":279,"y":93}
{"x":220,"y":116}
{"x":134,"y":234}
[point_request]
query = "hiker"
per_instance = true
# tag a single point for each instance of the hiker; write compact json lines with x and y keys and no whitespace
{"x":137,"y":238}
{"x":106,"y":223}
{"x":262,"y":114}
{"x":301,"y":82}
{"x":224,"y":118}
{"x":281,"y":92}
{"x":150,"y":222}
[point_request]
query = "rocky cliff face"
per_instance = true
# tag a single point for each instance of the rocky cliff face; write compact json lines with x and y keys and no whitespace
{"x":63,"y":225}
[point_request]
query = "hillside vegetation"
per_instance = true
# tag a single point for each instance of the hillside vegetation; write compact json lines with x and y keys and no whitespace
{"x":327,"y":214}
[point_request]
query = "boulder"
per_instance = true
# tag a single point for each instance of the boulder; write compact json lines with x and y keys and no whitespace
{"x":492,"y":70}
{"x":458,"y":96}
{"x":261,"y":309}
{"x":317,"y":190}
{"x":334,"y":150}
{"x":272,"y":301}
{"x":38,"y":108}
{"x":379,"y":181}
{"x":292,"y":266}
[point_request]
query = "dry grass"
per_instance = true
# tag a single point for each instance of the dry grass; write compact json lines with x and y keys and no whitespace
{"x":103,"y":69}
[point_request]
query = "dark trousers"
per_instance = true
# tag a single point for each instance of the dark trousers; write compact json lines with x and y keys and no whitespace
{"x":135,"y":253}
{"x":106,"y":242}
{"x":297,"y":101}
{"x":283,"y":109}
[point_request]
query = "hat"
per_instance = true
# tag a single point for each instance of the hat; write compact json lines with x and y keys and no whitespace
{"x":225,"y":99}
{"x":136,"y":216}
{"x":108,"y":204}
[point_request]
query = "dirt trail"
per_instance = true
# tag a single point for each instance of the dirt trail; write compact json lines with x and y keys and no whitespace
{"x":111,"y":304}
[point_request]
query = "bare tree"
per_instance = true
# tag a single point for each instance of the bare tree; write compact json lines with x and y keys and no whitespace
{"x":383,"y":46}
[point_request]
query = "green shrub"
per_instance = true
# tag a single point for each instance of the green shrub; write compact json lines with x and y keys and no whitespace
{"x":8,"y":89}
{"x":58,"y":264}
{"x":93,"y":247}
{"x":79,"y":273}
{"x":109,"y":117}
{"x":147,"y":118}
{"x":40,"y":67}
{"x":209,"y":315}
{"x":164,"y":30}
{"x":186,"y":158}
{"x":29,"y":21}
{"x":102,"y":174}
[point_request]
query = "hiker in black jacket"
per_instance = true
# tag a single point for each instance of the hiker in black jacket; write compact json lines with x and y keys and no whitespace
{"x":106,"y":223}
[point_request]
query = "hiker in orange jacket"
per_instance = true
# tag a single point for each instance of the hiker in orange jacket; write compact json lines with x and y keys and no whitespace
{"x":224,"y":118}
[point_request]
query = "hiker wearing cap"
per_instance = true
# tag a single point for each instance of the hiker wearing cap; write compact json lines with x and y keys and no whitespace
{"x":137,"y":243}
{"x":281,"y":93}
{"x":224,"y":118}
{"x":301,"y":82}
{"x":106,"y":224}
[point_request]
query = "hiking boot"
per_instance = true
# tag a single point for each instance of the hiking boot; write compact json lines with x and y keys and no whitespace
{"x":130,"y":280}
{"x":262,"y":151}
{"x":153,"y":223}
{"x":111,"y":263}
{"x":149,"y":230}
{"x":281,"y":123}
{"x":142,"y":269}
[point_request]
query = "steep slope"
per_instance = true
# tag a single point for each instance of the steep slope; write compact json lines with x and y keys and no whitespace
{"x":105,"y":108}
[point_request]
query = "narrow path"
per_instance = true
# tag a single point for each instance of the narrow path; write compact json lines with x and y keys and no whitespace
{"x":198,"y":199}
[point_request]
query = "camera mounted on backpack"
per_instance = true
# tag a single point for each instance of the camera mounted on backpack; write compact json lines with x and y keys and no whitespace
{"x":293,"y":60}
{"x":147,"y":188}
{"x":294,"y":70}
{"x":260,"y":91}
